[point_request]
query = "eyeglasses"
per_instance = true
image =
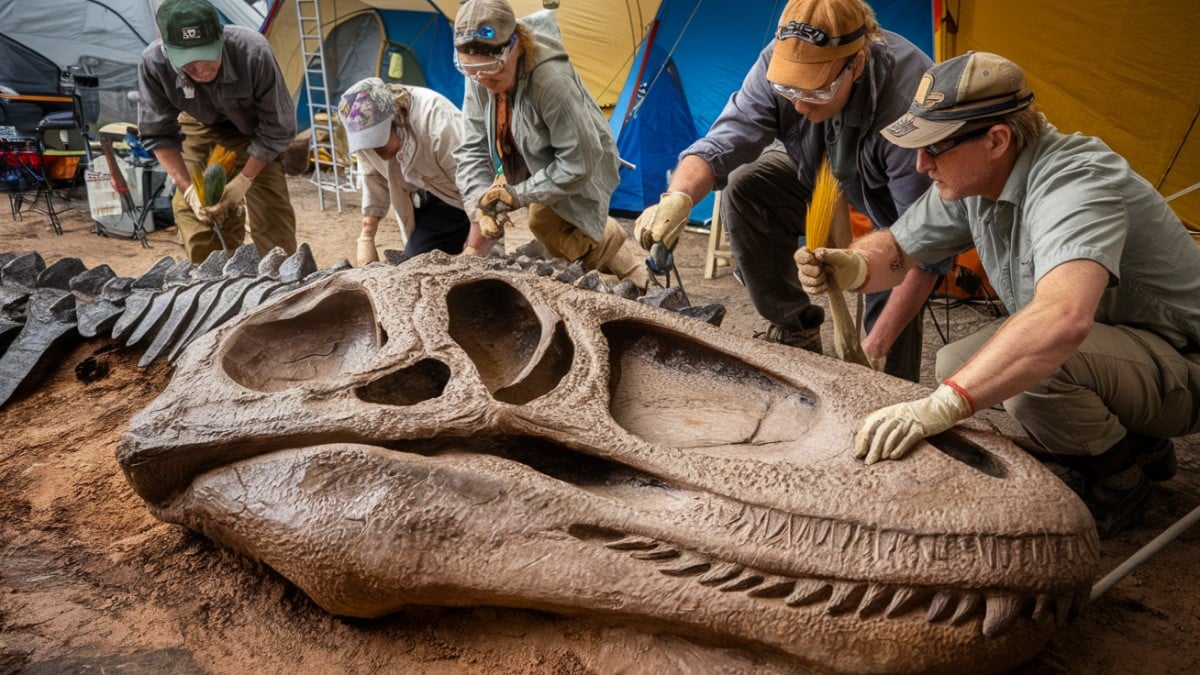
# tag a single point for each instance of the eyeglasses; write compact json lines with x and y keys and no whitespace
{"x":489,"y":67}
{"x":819,"y":96}
{"x":947,"y":144}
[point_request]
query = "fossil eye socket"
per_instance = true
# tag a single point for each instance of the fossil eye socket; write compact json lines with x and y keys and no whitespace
{"x":313,"y":339}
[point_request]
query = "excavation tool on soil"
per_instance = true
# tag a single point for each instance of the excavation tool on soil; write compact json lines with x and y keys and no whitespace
{"x":829,"y":204}
{"x":1144,"y":553}
{"x":662,"y":262}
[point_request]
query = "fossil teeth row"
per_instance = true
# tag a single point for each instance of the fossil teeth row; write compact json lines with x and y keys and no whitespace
{"x":999,"y":608}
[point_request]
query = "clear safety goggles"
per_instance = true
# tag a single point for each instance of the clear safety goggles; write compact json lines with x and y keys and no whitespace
{"x":818,"y":96}
{"x":478,"y":69}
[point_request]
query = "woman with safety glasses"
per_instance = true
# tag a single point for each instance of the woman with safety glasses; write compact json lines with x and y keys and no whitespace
{"x":533,"y":137}
{"x":826,"y":85}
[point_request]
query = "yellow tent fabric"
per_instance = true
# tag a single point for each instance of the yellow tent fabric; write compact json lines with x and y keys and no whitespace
{"x":1126,"y":71}
{"x":285,"y":34}
{"x":601,"y":36}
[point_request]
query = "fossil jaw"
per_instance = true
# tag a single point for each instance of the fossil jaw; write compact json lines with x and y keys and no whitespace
{"x":443,"y":434}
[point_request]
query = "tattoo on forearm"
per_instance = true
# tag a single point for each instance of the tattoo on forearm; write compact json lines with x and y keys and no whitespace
{"x":896,"y":261}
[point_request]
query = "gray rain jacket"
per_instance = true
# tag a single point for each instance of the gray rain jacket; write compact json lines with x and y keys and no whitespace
{"x":559,"y":131}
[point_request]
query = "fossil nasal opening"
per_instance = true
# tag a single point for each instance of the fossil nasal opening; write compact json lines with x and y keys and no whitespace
{"x":968,"y":453}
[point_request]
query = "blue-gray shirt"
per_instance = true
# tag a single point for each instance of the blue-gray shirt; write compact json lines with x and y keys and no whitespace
{"x":1070,"y":197}
{"x":879,"y":179}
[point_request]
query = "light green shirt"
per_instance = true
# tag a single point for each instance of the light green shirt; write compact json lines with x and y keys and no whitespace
{"x":1070,"y":197}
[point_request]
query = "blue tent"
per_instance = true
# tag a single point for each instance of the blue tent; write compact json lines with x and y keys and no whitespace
{"x":694,"y":56}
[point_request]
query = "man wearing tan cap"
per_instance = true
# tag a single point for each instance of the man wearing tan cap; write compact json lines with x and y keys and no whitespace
{"x":533,"y":137}
{"x":1100,"y":359}
{"x":827,"y":84}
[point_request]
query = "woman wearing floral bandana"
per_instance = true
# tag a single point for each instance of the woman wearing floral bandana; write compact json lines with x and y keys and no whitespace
{"x":405,"y":138}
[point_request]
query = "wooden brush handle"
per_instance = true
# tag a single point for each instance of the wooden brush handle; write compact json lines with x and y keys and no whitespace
{"x":845,"y":333}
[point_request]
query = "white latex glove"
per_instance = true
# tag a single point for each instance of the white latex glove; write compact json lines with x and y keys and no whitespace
{"x":231,"y":198}
{"x":366,"y":253}
{"x":849,"y":269}
{"x":889,"y":433}
{"x":193,"y":202}
{"x":663,"y":221}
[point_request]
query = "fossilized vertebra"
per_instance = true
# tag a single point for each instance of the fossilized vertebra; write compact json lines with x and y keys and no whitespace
{"x":442,"y":433}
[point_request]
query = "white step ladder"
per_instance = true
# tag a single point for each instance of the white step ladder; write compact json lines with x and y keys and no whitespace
{"x":332,"y":170}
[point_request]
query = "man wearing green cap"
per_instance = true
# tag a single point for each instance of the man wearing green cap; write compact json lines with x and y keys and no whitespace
{"x":1100,"y":359}
{"x":203,"y":85}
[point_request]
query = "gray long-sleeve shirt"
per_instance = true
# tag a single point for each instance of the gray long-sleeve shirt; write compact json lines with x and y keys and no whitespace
{"x":249,"y":95}
{"x":878,"y":178}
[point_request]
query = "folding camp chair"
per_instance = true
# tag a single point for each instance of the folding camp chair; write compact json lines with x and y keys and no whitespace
{"x":132,"y":211}
{"x":42,"y":171}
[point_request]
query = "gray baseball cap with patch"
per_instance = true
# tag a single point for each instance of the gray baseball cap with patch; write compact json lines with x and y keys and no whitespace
{"x":956,"y":92}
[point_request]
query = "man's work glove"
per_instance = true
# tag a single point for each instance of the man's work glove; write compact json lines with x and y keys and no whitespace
{"x":193,"y":202}
{"x":889,"y":433}
{"x":231,"y":198}
{"x":848,"y":269}
{"x":499,"y":199}
{"x":663,"y":221}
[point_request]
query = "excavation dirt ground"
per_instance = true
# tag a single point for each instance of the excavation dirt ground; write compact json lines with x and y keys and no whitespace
{"x":91,"y":582}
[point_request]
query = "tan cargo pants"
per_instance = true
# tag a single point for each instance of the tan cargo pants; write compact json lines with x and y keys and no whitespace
{"x":1120,"y":379}
{"x":269,"y":214}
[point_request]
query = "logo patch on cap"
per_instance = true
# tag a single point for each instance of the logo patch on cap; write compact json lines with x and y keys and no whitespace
{"x":189,"y":33}
{"x":902,"y":126}
{"x":926,"y":98}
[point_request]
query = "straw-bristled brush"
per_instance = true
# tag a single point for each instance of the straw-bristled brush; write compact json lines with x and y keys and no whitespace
{"x":826,"y":203}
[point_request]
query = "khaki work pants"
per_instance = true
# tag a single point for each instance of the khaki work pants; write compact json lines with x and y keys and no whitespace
{"x":1120,"y":379}
{"x":272,"y":221}
{"x":560,"y":238}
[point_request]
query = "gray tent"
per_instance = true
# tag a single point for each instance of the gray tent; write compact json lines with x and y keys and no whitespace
{"x":103,"y":38}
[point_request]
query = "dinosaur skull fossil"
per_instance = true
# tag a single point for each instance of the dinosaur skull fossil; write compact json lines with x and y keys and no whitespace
{"x":440,"y":433}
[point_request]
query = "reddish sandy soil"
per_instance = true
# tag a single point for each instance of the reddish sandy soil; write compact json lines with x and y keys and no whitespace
{"x":91,"y":582}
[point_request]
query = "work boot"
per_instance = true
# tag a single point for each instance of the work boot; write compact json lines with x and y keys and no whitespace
{"x":618,"y":255}
{"x":1156,"y":456}
{"x":803,"y":338}
{"x":1113,"y":485}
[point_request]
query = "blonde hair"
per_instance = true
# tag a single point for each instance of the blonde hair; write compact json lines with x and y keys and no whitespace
{"x":1026,"y":125}
{"x":874,"y":32}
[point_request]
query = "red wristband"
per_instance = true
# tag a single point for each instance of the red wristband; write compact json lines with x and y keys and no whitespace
{"x":962,"y":392}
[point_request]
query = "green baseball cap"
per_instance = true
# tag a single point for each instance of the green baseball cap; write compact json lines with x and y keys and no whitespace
{"x":191,"y":31}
